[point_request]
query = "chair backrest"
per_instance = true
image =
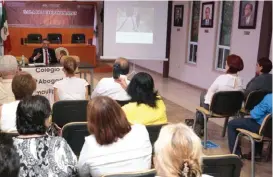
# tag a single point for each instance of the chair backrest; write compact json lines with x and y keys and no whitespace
{"x":227,"y":102}
{"x":54,"y":38}
{"x":74,"y":133}
{"x":69,"y":111}
{"x":154,"y":131}
{"x":254,"y":98}
{"x":77,"y":38}
{"x":266,"y":127}
{"x":147,"y":173}
{"x":122,"y":103}
{"x":222,"y":165}
{"x":34,"y":38}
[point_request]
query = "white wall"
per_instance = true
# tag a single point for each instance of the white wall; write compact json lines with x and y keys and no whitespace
{"x":203,"y":73}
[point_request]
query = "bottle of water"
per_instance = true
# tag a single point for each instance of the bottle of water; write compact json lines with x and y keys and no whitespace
{"x":23,"y":60}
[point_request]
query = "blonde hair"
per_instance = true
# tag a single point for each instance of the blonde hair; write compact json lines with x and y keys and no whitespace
{"x":178,"y":152}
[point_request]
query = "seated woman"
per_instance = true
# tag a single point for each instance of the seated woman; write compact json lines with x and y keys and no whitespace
{"x":40,"y":153}
{"x":23,"y":84}
{"x":178,"y":152}
{"x":71,"y":87}
{"x":8,"y":69}
{"x":230,"y":81}
{"x":114,"y":145}
{"x":146,"y":106}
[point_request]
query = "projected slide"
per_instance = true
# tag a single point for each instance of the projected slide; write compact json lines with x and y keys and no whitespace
{"x":135,"y":25}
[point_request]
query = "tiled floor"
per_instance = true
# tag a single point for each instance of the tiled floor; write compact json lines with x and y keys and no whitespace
{"x":181,"y":101}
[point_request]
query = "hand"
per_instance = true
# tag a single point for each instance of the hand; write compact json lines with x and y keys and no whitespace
{"x":122,"y":82}
{"x":37,"y":56}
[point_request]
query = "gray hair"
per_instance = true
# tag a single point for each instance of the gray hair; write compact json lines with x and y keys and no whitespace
{"x":8,"y":63}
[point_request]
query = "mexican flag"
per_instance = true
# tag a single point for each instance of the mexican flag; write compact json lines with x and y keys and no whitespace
{"x":5,"y":37}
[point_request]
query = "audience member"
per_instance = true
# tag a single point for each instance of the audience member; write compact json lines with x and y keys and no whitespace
{"x":9,"y":159}
{"x":263,"y":80}
{"x":113,"y":146}
{"x":230,"y":81}
{"x":178,"y":152}
{"x":63,"y":53}
{"x":40,"y":153}
{"x":253,"y":124}
{"x":146,"y":106}
{"x":8,"y":68}
{"x":71,"y":87}
{"x":23,"y":84}
{"x":108,"y":86}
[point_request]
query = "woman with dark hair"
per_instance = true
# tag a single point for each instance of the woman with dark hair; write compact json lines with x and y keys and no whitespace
{"x":146,"y":106}
{"x":113,"y":145}
{"x":40,"y":154}
{"x":230,"y":81}
{"x":71,"y":87}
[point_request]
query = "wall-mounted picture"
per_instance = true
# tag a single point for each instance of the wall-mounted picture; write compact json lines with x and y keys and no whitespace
{"x":178,"y":15}
{"x":248,"y":14}
{"x":207,"y":15}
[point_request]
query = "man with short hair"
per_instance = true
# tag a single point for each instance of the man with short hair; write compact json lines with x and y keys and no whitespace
{"x":44,"y":54}
{"x":263,"y":80}
{"x":8,"y":69}
{"x":207,"y":21}
{"x":248,"y":19}
{"x":109,"y":87}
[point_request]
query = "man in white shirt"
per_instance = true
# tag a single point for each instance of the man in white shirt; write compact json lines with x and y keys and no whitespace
{"x":44,"y":54}
{"x":109,"y":87}
{"x":8,"y":69}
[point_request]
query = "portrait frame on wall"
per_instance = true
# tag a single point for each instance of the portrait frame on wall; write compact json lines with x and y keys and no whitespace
{"x":248,"y":14}
{"x":178,"y":15}
{"x":207,"y":15}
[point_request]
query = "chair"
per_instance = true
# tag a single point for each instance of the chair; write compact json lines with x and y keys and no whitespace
{"x":122,"y":103}
{"x":69,"y":111}
{"x":54,"y":38}
{"x":253,"y":98}
{"x":74,"y":133}
{"x":34,"y":38}
{"x":146,"y":173}
{"x":222,"y":165}
{"x":77,"y":38}
{"x":154,"y":131}
{"x":224,"y":104}
{"x":265,"y":135}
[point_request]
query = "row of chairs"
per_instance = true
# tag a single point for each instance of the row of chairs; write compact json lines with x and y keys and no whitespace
{"x":229,"y":104}
{"x":54,"y":38}
{"x":217,"y":166}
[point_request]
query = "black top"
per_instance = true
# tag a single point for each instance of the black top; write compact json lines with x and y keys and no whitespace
{"x":261,"y":82}
{"x":51,"y":56}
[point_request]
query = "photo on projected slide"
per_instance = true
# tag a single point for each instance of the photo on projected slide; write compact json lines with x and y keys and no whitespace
{"x":135,"y":25}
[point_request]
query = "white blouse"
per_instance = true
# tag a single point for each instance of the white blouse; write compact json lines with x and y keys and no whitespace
{"x":6,"y":94}
{"x":71,"y":88}
{"x":8,"y":117}
{"x":131,"y":153}
{"x":225,"y":82}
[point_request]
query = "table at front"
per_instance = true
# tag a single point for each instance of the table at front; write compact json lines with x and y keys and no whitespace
{"x":46,"y":76}
{"x":86,"y":53}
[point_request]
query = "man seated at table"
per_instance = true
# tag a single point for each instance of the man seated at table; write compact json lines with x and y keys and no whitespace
{"x":263,"y":80}
{"x":44,"y":54}
{"x":109,"y":87}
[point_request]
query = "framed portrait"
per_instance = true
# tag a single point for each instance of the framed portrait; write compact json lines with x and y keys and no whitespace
{"x":248,"y":14}
{"x":207,"y":15}
{"x":178,"y":15}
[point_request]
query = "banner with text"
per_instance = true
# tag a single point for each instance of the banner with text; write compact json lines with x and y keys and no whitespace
{"x":50,"y":14}
{"x":45,"y":78}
